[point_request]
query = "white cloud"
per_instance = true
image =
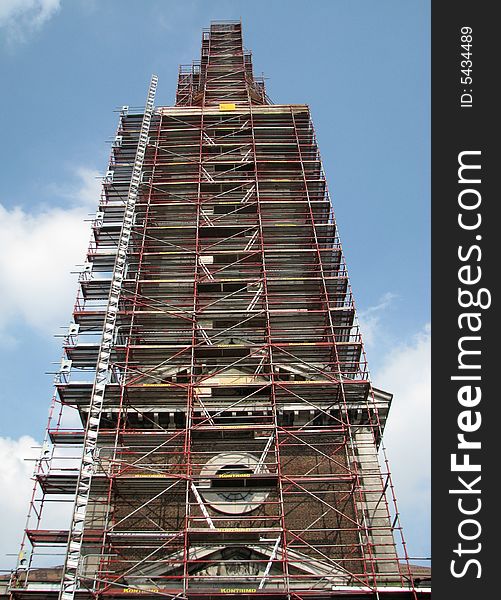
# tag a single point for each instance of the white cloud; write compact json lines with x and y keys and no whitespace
{"x":17,"y":461}
{"x":16,"y":486}
{"x":37,"y":252}
{"x":22,"y":17}
{"x":370,"y":319}
{"x":406,"y":372}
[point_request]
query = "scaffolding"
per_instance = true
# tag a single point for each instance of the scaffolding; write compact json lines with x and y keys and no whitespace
{"x":233,"y":448}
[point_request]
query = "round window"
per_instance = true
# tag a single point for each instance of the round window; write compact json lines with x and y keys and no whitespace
{"x":231,"y":489}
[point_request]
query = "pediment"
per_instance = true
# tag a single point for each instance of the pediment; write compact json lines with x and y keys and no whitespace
{"x":246,"y":561}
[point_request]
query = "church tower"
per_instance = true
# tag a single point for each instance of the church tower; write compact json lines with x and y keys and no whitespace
{"x":228,"y":427}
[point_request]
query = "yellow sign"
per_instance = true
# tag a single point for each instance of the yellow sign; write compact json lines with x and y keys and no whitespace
{"x":227,"y":106}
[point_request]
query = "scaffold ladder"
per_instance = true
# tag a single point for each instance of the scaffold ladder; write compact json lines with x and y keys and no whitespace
{"x":69,"y":581}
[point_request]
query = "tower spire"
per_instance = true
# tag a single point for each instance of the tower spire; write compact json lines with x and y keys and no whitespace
{"x":224,"y":74}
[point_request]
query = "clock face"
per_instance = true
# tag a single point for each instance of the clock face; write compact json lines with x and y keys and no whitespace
{"x":229,"y":479}
{"x":234,"y":496}
{"x":230,"y":486}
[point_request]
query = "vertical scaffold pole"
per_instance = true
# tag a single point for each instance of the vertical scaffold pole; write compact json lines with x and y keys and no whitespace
{"x":69,"y":580}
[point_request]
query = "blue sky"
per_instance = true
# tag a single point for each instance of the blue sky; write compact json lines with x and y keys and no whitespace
{"x":362,"y":66}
